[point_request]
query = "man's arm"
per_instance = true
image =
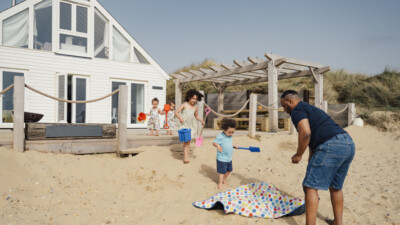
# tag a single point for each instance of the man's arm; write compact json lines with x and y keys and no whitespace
{"x":303,"y":127}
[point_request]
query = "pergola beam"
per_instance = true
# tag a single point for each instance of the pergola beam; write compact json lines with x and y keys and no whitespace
{"x":225,"y":72}
{"x":294,"y":61}
{"x":303,"y":73}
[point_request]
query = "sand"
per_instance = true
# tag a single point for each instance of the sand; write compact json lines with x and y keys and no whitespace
{"x":155,"y":187}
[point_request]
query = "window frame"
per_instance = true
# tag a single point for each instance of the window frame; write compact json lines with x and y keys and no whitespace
{"x":73,"y":32}
{"x":128,"y":82}
{"x":25,"y":72}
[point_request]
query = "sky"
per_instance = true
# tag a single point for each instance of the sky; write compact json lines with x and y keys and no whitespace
{"x":358,"y":36}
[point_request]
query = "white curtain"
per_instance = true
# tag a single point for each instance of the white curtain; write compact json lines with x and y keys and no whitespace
{"x":121,"y":47}
{"x":100,"y":35}
{"x":15,"y":30}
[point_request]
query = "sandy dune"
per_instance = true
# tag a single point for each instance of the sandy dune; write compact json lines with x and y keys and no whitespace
{"x":155,"y":187}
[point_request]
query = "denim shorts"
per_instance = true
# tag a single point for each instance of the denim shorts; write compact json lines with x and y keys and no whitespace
{"x":329,"y":163}
{"x":223,"y":167}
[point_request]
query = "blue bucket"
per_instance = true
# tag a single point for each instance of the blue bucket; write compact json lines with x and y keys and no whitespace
{"x":184,"y":135}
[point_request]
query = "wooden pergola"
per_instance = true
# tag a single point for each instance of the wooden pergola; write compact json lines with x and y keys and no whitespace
{"x":270,"y":69}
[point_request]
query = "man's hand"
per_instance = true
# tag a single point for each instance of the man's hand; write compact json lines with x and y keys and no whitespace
{"x":219,"y":148}
{"x":296,"y":158}
{"x":235,"y":146}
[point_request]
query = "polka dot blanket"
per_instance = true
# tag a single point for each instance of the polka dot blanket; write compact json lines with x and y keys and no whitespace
{"x":255,"y":200}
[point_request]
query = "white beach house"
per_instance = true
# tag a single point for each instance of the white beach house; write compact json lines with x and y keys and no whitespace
{"x":74,"y":49}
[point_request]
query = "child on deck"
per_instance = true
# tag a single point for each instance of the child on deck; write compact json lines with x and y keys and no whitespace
{"x":188,"y":118}
{"x":170,"y":118}
{"x":223,"y":143}
{"x":154,"y":120}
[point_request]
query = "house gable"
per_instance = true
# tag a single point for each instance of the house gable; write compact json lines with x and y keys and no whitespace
{"x":78,"y":27}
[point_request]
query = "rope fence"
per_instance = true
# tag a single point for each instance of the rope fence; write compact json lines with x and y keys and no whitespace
{"x":230,"y":115}
{"x":338,"y":112}
{"x":7,"y":89}
{"x":70,"y":101}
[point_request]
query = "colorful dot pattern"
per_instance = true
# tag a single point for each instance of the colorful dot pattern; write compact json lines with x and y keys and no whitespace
{"x":254,"y":200}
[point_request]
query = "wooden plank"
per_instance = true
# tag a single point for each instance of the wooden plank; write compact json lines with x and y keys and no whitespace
{"x":294,"y":61}
{"x":313,"y":74}
{"x":122,"y":117}
{"x":226,"y":72}
{"x":351,"y":112}
{"x":18,"y":117}
{"x":200,"y":111}
{"x":37,"y":131}
{"x":272,"y":96}
{"x":221,"y":99}
{"x":252,"y":115}
{"x":280,"y":77}
{"x":319,"y":90}
{"x":178,"y":93}
{"x":85,"y":146}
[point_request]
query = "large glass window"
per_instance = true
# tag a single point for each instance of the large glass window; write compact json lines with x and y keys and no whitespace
{"x":73,"y":43}
{"x":101,"y":42}
{"x":42,"y":34}
{"x":7,"y":105}
{"x":114,"y":101}
{"x":137,"y":101}
{"x":81,"y":19}
{"x":15,"y":30}
{"x":74,"y":28}
{"x":65,"y":16}
{"x":80,"y":95}
{"x":121,"y":47}
{"x":140,"y":58}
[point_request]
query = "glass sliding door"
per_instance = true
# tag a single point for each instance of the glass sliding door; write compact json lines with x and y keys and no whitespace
{"x":80,"y":95}
{"x":114,"y":101}
{"x":7,"y":101}
{"x":137,"y":101}
{"x":76,"y":90}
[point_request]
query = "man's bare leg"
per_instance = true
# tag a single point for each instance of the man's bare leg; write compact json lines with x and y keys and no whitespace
{"x":311,"y":205}
{"x":337,"y":205}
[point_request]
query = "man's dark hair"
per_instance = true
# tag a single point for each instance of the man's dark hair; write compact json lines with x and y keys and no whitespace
{"x":155,"y":100}
{"x":191,"y":93}
{"x":228,"y":123}
{"x":289,"y":92}
{"x":172,"y":101}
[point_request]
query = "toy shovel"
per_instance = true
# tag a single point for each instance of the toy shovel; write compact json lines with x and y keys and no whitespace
{"x":199,"y":139}
{"x":252,"y":149}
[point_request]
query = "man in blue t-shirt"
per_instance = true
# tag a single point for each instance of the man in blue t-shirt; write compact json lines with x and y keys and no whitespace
{"x":331,"y":152}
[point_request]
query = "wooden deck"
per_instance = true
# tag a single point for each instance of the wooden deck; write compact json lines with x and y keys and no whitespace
{"x":136,"y":139}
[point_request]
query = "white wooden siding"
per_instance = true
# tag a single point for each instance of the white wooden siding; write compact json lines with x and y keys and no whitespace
{"x":43,"y":68}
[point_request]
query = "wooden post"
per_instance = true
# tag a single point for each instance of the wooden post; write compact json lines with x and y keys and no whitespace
{"x":272,"y":96}
{"x":319,"y":90}
{"x":252,"y":115}
{"x":200,"y":111}
{"x":221,"y":99}
{"x":325,"y":106}
{"x":122,"y":117}
{"x":351,"y":113}
{"x":178,"y":94}
{"x":18,"y":120}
